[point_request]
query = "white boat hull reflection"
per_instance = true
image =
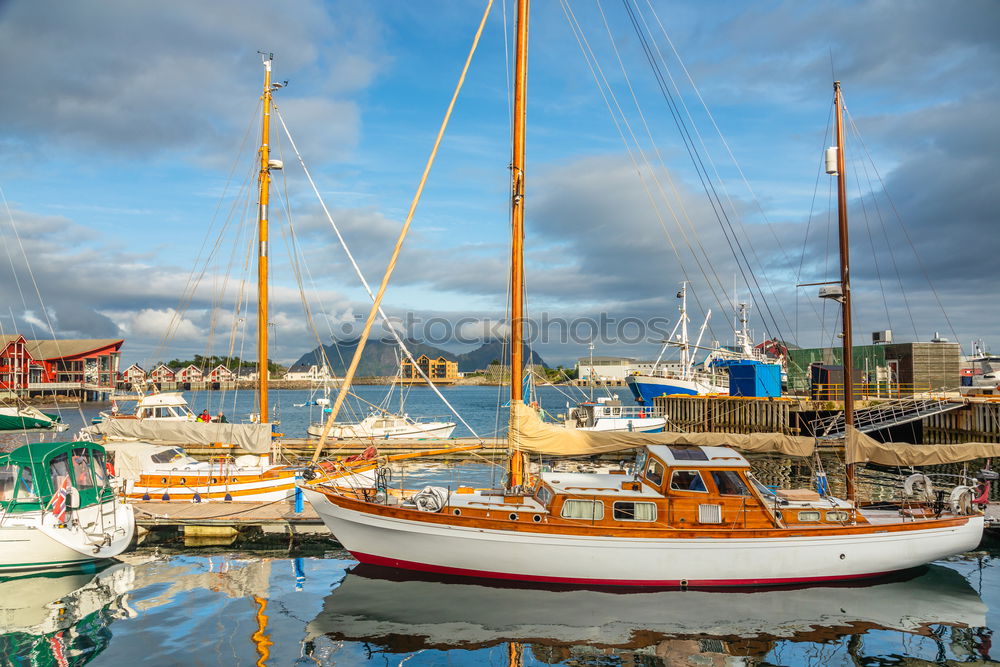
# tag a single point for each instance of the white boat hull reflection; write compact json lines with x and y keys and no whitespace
{"x":438,"y":613}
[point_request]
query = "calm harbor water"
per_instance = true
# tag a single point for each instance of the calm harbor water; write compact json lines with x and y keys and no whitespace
{"x":165,"y":606}
{"x":233,"y":608}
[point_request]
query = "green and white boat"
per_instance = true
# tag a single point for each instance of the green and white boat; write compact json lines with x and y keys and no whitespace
{"x":57,"y":507}
{"x":28,"y":418}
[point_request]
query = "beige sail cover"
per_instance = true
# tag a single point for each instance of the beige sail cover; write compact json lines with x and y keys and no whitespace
{"x":530,"y":434}
{"x":254,"y":438}
{"x":862,"y":449}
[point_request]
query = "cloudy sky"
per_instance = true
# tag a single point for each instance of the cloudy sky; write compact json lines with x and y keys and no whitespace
{"x":667,"y":142}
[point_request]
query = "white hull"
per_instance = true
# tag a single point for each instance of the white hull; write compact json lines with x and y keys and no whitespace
{"x":623,"y":424}
{"x":595,"y":560}
{"x":412,"y":430}
{"x":33,"y":540}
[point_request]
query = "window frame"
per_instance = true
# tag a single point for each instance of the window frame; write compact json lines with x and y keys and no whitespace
{"x":614,"y":510}
{"x":746,"y":490}
{"x":593,"y":503}
{"x":704,"y":486}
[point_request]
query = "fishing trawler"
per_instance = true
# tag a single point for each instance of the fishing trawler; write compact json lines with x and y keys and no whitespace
{"x":687,"y":512}
{"x":59,"y":508}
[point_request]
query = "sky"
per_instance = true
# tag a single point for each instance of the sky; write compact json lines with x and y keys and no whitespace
{"x":666,"y":142}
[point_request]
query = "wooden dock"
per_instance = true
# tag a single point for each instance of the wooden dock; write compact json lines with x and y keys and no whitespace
{"x":304,"y":447}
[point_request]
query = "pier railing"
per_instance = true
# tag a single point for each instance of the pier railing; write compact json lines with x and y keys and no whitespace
{"x":868,"y":390}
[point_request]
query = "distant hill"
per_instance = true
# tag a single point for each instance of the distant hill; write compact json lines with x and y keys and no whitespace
{"x":379,"y":357}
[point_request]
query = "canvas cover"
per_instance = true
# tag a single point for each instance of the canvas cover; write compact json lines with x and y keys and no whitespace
{"x":253,"y":438}
{"x":530,"y":434}
{"x":131,"y":458}
{"x":862,"y":449}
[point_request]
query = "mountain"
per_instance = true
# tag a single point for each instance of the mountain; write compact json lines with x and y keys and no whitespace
{"x":379,"y":357}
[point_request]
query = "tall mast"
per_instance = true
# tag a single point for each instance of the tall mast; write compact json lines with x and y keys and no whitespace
{"x":845,"y":278}
{"x":517,"y":235}
{"x":264,"y":182}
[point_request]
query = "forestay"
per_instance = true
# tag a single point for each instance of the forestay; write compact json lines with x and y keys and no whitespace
{"x":528,"y":433}
{"x":254,"y":438}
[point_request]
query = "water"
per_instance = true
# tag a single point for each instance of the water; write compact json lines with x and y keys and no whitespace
{"x":166,"y":607}
{"x":232,"y":608}
{"x":478,"y":405}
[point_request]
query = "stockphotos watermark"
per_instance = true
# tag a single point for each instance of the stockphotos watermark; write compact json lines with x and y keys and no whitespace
{"x":603,"y":329}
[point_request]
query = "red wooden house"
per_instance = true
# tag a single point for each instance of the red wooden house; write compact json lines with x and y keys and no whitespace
{"x":14,"y":360}
{"x":134,"y":374}
{"x":162,"y":373}
{"x":189,"y":373}
{"x":92,"y":361}
{"x":221,"y":374}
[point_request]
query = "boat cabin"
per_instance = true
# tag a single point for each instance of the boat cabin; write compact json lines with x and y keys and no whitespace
{"x":691,"y":488}
{"x":32,"y":474}
{"x":166,"y":406}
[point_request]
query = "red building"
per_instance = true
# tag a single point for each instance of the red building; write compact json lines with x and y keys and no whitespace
{"x":92,"y":361}
{"x":14,"y":360}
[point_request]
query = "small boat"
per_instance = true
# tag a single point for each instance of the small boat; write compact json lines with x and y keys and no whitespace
{"x":59,"y":508}
{"x":385,"y":426}
{"x":28,"y":418}
{"x":608,"y":414}
{"x":168,"y":406}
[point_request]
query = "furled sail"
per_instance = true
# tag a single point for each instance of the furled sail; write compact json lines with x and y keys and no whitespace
{"x":254,"y":438}
{"x":529,"y":433}
{"x":863,"y":449}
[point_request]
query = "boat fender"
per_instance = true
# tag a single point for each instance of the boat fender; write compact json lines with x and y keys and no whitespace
{"x":960,"y":500}
{"x":145,"y":496}
{"x":196,"y":498}
{"x":919,"y":485}
{"x":431,"y":499}
{"x":165,"y":496}
{"x":228,"y":498}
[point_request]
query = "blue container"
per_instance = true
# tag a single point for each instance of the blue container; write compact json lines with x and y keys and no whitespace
{"x":752,"y":378}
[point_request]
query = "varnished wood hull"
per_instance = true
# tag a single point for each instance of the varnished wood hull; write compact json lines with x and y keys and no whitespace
{"x":404,"y":539}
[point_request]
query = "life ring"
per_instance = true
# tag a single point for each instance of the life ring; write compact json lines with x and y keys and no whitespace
{"x":919,"y":485}
{"x":960,"y":500}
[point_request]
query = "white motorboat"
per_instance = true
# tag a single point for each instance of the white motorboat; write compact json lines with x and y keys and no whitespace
{"x":608,"y":414}
{"x":385,"y":426}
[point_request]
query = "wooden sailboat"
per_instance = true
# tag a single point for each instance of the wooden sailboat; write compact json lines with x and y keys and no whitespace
{"x":687,"y":512}
{"x":152,"y":462}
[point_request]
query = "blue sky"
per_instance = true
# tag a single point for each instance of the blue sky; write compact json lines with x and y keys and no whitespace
{"x":123,"y":124}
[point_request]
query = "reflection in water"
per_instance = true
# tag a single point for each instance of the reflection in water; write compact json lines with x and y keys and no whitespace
{"x":374,"y":605}
{"x":239,"y":609}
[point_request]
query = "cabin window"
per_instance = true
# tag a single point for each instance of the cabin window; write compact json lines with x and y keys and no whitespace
{"x":592,"y":510}
{"x":838,"y":516}
{"x":654,"y":472}
{"x":178,"y":412}
{"x":626,"y":510}
{"x":728,"y":483}
{"x":82,"y":477}
{"x":543,"y":495}
{"x":808,"y":516}
{"x":687,"y":480}
{"x":167,"y":456}
{"x":58,"y":471}
{"x":8,"y":476}
{"x":100,"y":468}
{"x":26,"y":485}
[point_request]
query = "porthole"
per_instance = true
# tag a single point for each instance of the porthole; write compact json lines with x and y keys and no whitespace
{"x":163,"y":480}
{"x":778,"y":515}
{"x":183,"y":480}
{"x":537,"y":518}
{"x":233,"y":480}
{"x":512,"y":516}
{"x":215,"y":480}
{"x":809,"y":515}
{"x":457,"y":512}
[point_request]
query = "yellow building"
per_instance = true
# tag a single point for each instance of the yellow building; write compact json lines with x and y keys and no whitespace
{"x":439,"y":370}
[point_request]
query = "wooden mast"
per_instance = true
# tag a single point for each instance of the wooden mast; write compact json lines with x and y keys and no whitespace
{"x":517,"y":238}
{"x":845,"y":279}
{"x":264,"y":182}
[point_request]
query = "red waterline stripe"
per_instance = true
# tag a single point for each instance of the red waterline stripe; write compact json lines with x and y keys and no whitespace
{"x":485,"y":574}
